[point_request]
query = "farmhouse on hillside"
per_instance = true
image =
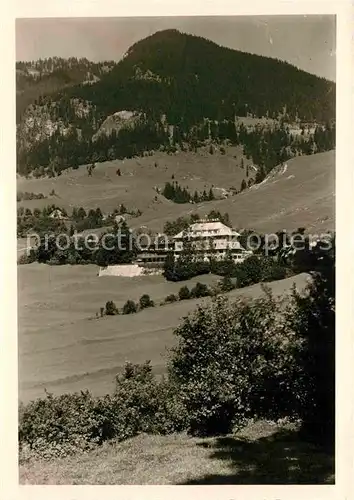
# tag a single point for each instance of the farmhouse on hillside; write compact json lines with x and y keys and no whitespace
{"x":57,"y":214}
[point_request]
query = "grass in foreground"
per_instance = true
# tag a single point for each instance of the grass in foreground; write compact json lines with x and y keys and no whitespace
{"x":262,"y":453}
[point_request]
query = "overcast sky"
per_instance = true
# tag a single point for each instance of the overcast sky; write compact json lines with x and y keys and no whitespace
{"x":308,"y":42}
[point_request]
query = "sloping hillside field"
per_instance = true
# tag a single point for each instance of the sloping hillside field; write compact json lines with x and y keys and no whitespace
{"x":301,"y":193}
{"x":63,"y":347}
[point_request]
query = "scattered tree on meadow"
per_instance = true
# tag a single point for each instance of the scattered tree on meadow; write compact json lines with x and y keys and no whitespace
{"x":81,"y":213}
{"x":171,"y":298}
{"x":111,"y":308}
{"x":130,"y":307}
{"x":184,"y":293}
{"x":211,"y":195}
{"x":145,"y":301}
{"x":90,"y":168}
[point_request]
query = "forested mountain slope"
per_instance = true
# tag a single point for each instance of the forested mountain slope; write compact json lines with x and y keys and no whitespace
{"x":183,"y":92}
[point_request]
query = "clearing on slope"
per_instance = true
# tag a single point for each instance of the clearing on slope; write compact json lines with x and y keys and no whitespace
{"x":137,"y":185}
{"x":300,"y":193}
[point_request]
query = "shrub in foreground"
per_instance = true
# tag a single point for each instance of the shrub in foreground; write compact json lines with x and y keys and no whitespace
{"x":149,"y":405}
{"x":60,"y":425}
{"x":232,"y":362}
{"x":315,"y":323}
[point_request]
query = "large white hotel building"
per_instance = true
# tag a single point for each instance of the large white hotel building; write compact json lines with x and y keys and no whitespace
{"x":211,"y":239}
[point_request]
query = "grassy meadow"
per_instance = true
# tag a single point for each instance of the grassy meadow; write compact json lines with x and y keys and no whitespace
{"x":300,"y":195}
{"x":262,"y":453}
{"x":63,"y":347}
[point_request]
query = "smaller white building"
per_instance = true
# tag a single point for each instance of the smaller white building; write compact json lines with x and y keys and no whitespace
{"x":57,"y":214}
{"x":119,"y":219}
{"x":211,"y":239}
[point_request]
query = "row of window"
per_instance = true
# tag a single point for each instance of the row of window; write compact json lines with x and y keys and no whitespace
{"x":238,"y":255}
{"x":202,"y":235}
{"x":211,"y":249}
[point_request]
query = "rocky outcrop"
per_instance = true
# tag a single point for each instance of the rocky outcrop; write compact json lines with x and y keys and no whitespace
{"x":117,"y":121}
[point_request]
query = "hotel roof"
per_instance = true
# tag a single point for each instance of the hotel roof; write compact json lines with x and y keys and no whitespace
{"x":207,"y":227}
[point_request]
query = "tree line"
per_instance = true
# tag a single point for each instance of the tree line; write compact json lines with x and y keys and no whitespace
{"x":41,"y":222}
{"x":178,"y":194}
{"x":266,"y":147}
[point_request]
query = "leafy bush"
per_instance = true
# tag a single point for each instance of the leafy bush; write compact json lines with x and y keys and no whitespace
{"x":65,"y":422}
{"x":56,"y":426}
{"x":232,"y":362}
{"x":111,"y":308}
{"x":130,"y":307}
{"x":145,"y":301}
{"x":149,"y":405}
{"x":184,"y":293}
{"x":200,"y":290}
{"x":314,"y":322}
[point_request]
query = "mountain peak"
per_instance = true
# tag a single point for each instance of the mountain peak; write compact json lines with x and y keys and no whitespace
{"x":158,"y":37}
